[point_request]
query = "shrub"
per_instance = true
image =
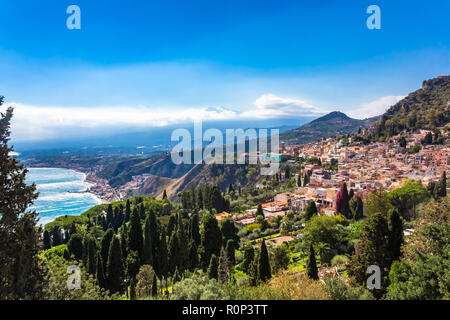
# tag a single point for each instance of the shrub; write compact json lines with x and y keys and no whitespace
{"x":339,"y":260}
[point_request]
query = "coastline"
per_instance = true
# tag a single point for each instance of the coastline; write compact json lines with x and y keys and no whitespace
{"x":49,"y":209}
{"x":99,"y":188}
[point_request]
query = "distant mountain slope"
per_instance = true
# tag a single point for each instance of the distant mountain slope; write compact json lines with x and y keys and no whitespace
{"x":334,"y":123}
{"x":426,"y":108}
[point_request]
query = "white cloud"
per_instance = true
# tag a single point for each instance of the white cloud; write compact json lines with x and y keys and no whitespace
{"x":49,"y":122}
{"x":272,"y":106}
{"x":374,"y":108}
{"x":37,"y":122}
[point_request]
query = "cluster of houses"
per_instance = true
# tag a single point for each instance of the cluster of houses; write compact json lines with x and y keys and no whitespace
{"x":364,"y":168}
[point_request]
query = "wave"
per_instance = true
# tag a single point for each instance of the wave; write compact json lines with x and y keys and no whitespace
{"x":61,"y":192}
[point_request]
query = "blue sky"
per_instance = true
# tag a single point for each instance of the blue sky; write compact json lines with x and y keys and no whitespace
{"x":160,"y":62}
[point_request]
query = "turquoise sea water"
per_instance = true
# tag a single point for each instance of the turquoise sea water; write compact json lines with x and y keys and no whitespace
{"x":59,"y":193}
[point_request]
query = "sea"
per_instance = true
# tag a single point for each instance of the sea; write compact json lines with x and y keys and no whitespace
{"x":61,"y":192}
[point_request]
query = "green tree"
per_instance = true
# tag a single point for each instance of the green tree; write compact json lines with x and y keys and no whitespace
{"x":259,"y":211}
{"x":230,"y":249}
{"x":115,"y":267}
{"x":357,"y":207}
{"x":213,"y":269}
{"x":211,"y":237}
{"x":128,"y":211}
{"x":280,"y":260}
{"x":372,"y":250}
{"x":442,"y":185}
{"x":408,"y":197}
{"x":75,"y":246}
{"x":154,"y":286}
{"x":264,"y":273}
{"x":225,"y":266}
{"x":105,"y":245}
{"x":229,"y":231}
{"x":194,"y":229}
{"x":311,"y":210}
{"x":135,"y":241}
{"x":47,"y":241}
{"x":147,"y":256}
{"x":20,"y":270}
{"x":163,"y":262}
{"x":132,"y":264}
{"x":100,"y":272}
{"x":91,"y":263}
{"x":312,"y":265}
{"x":395,"y":226}
{"x":193,"y":255}
{"x":249,"y":256}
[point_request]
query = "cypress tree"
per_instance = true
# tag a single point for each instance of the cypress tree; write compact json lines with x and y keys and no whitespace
{"x":47,"y":241}
{"x":128,"y":211}
{"x":312,"y":265}
{"x":359,"y":212}
{"x":115,"y":269}
{"x":154,"y":286}
{"x":147,"y":257}
{"x":182,"y":245}
{"x":109,"y":216}
{"x":164,"y":194}
{"x":105,"y":245}
{"x":230,"y":250}
{"x":132,"y":264}
{"x":259,"y":211}
{"x":163,"y":263}
{"x":351,"y":193}
{"x":213,"y":269}
{"x":100,"y":273}
{"x":91,"y":256}
{"x":66,"y":254}
{"x":305,"y":180}
{"x":124,"y":241}
{"x":211,"y":238}
{"x":311,"y":210}
{"x":174,"y":253}
{"x":155,"y":239}
{"x":56,"y":237}
{"x":395,"y":226}
{"x":442,"y":185}
{"x":299,"y":180}
{"x":249,"y":256}
{"x":20,"y":272}
{"x":135,"y":241}
{"x":142,"y":211}
{"x":75,"y":246}
{"x":132,"y":290}
{"x":193,"y":255}
{"x":176,"y":276}
{"x":171,"y":225}
{"x":224,"y":266}
{"x":195,"y":229}
{"x":264,"y":264}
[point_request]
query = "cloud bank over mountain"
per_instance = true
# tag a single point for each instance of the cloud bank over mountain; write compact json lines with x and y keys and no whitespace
{"x":34,"y":123}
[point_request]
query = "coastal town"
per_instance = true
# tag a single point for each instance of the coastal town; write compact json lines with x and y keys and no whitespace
{"x":364,"y":168}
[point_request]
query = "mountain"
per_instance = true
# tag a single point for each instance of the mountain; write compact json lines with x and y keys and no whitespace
{"x":426,"y":108}
{"x":332,"y":124}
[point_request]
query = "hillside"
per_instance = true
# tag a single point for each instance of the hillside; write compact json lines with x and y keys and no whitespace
{"x":426,"y":108}
{"x":334,"y":123}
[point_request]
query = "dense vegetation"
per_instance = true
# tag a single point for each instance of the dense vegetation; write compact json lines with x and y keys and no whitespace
{"x":426,"y":108}
{"x":330,"y":125}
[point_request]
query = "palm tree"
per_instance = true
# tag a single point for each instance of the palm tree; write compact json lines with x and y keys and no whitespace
{"x":321,"y":249}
